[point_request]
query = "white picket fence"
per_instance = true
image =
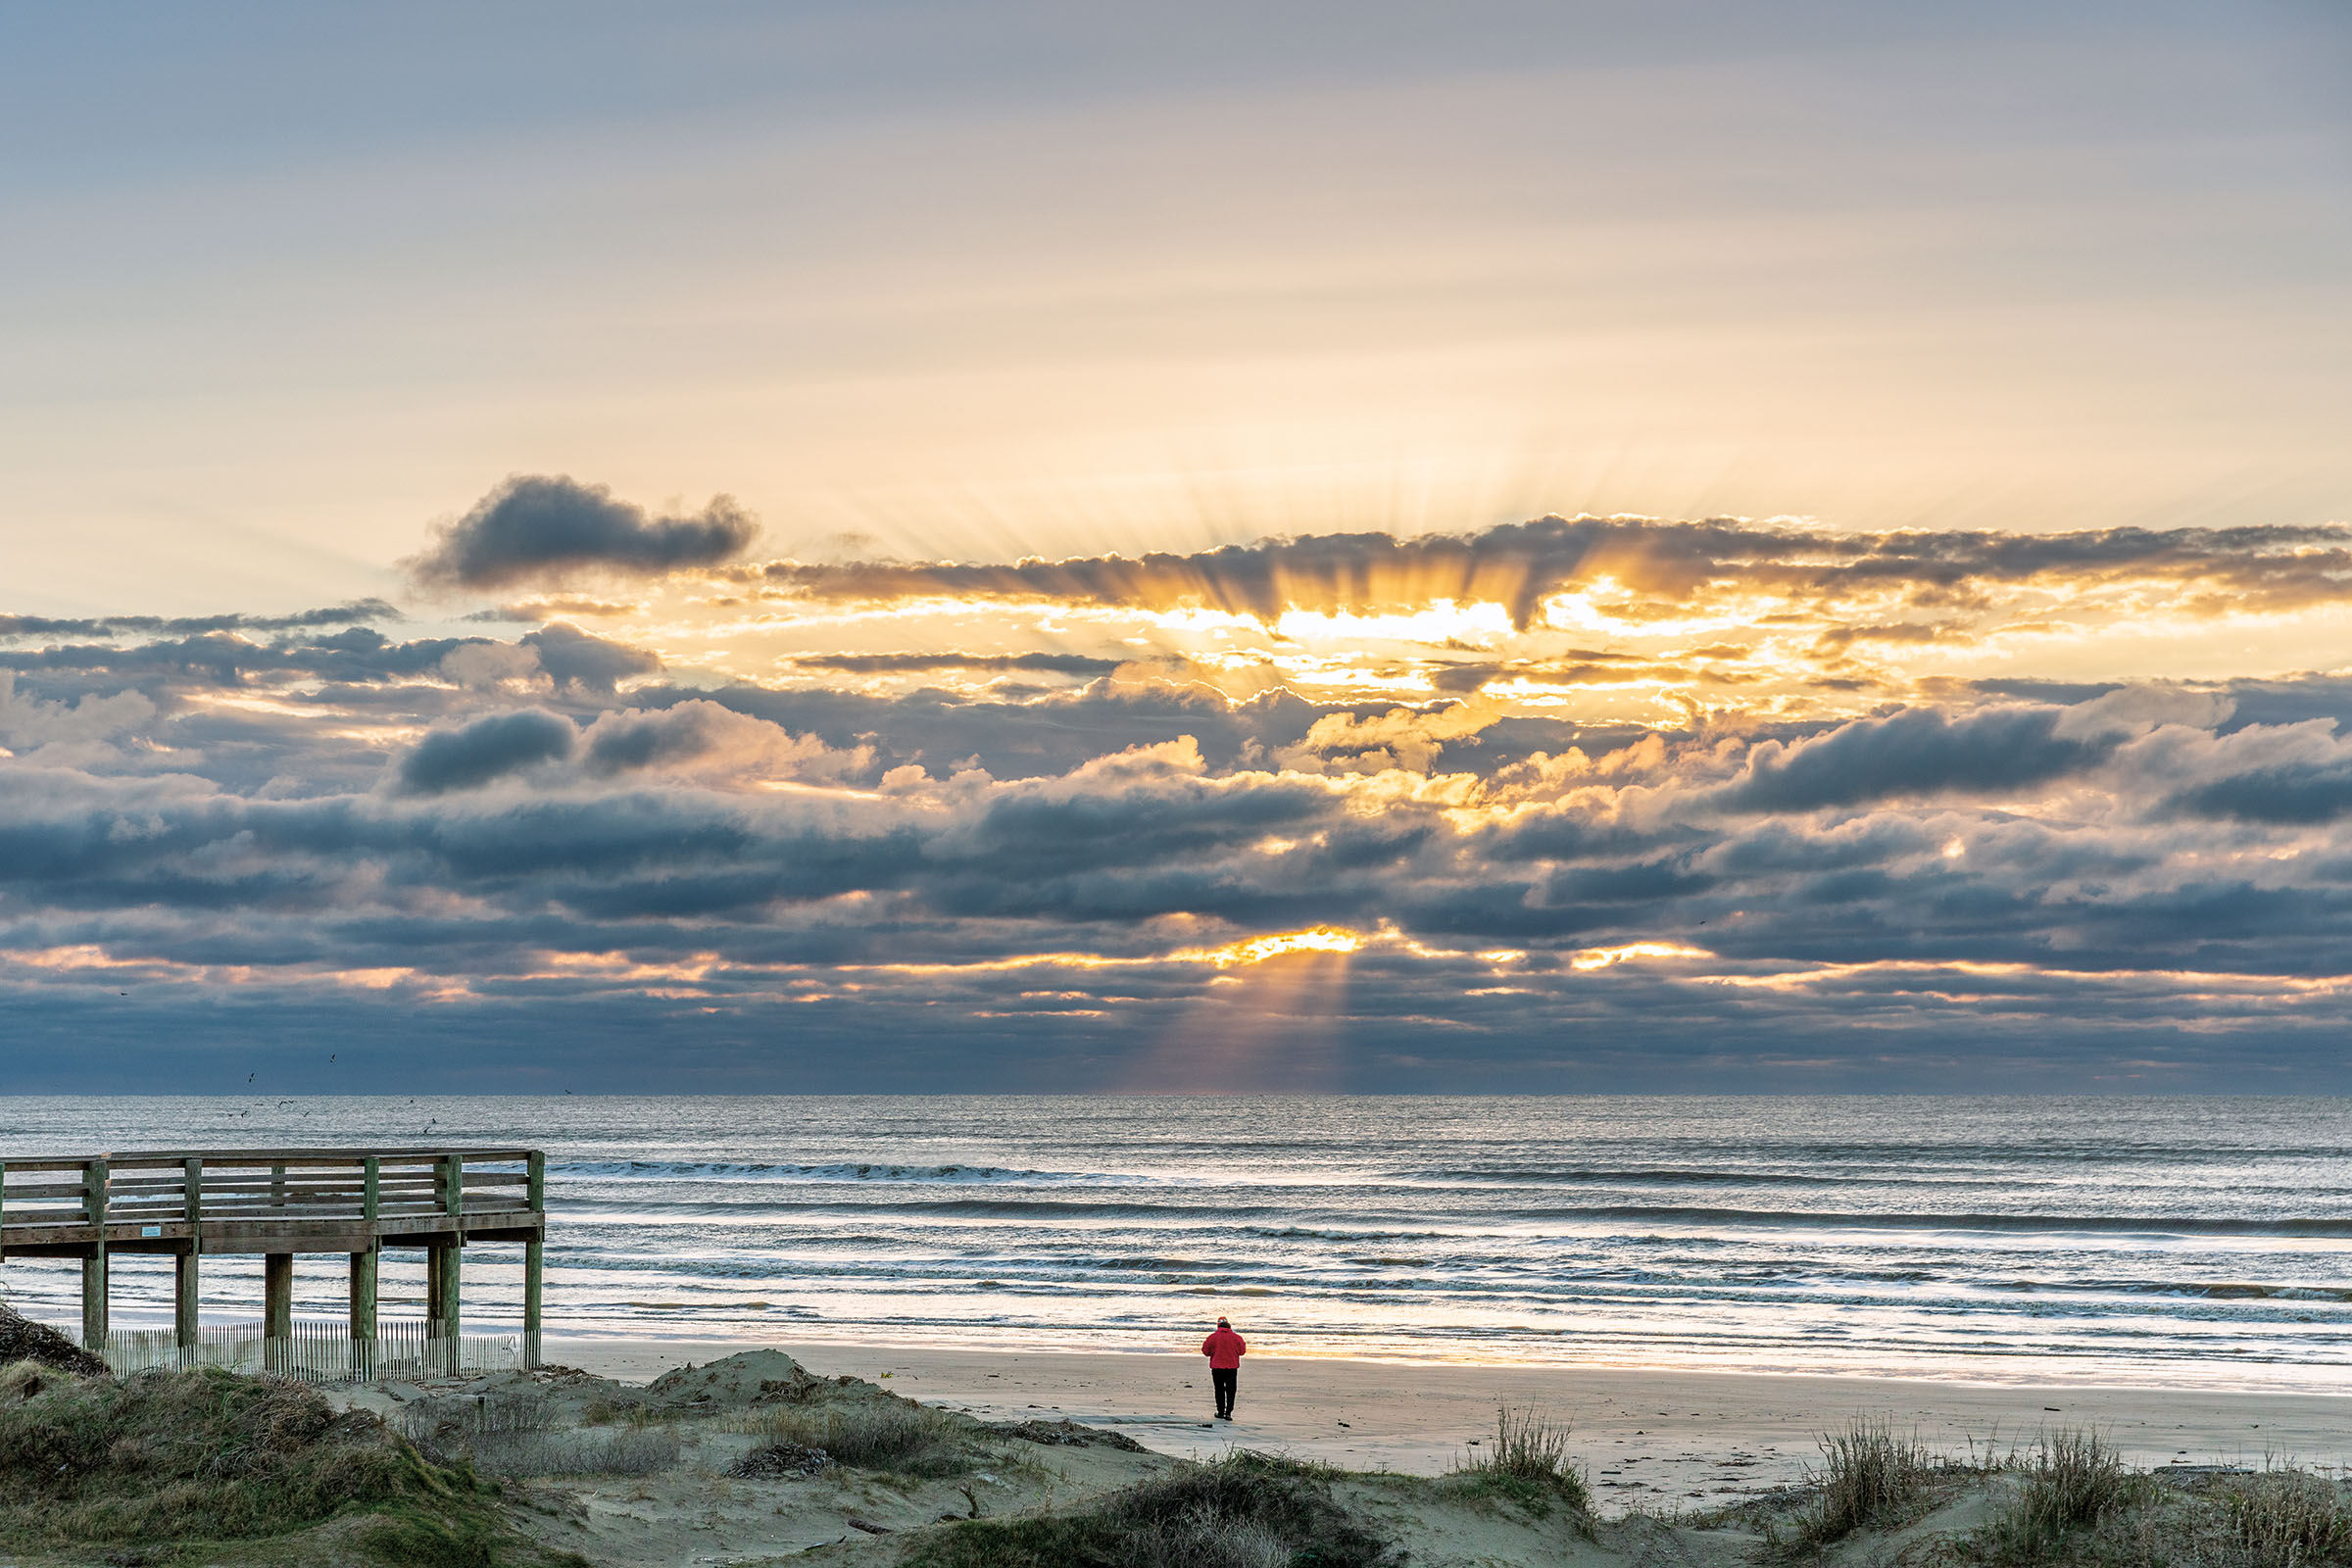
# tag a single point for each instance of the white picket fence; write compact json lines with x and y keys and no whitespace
{"x":321,"y":1350}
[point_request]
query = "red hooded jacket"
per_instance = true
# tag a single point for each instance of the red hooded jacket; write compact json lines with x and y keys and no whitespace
{"x":1224,"y":1349}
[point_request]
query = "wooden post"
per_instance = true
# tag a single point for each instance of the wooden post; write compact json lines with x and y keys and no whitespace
{"x":186,"y":1283}
{"x":534,"y":1255}
{"x":442,"y":1319}
{"x":187,"y":1266}
{"x":534,"y":1260}
{"x":362,"y":1311}
{"x":278,"y":1309}
{"x":452,"y":1317}
{"x":94,"y":1265}
{"x":364,"y":1268}
{"x":444,"y":1286}
{"x":277,"y":1186}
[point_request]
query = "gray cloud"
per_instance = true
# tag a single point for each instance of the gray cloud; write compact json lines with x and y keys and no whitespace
{"x":1919,"y":752}
{"x":2274,"y":794}
{"x":540,"y":527}
{"x":1520,"y":564}
{"x":356,"y":612}
{"x":574,"y":658}
{"x":475,"y":753}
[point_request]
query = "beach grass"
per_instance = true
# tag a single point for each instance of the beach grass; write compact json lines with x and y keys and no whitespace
{"x":1527,"y":1463}
{"x":1870,"y":1478}
{"x":521,"y":1433}
{"x":2286,"y":1518}
{"x":1249,"y":1510}
{"x":2075,"y":1481}
{"x":901,"y":1438}
{"x":171,"y":1466}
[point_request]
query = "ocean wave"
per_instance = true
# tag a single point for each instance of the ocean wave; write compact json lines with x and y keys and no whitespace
{"x":915,"y":1208}
{"x":845,"y":1170}
{"x":2102,"y":1224}
{"x":1635,"y":1175}
{"x":2194,"y":1289}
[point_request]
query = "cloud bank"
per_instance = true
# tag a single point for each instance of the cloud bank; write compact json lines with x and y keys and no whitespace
{"x":1657,"y":568}
{"x":1572,"y":806}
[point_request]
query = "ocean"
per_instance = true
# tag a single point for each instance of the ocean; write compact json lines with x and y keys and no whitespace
{"x":2191,"y":1242}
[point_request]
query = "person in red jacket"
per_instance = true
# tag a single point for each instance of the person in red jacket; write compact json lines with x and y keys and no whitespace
{"x":1224,"y":1349}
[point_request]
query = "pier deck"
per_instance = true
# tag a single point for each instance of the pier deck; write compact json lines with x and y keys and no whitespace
{"x":277,"y":1203}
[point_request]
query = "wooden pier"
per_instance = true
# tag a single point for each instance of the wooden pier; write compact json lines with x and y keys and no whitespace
{"x":278,"y":1202}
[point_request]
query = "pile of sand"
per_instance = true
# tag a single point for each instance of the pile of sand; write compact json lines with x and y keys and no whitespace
{"x":752,"y":1378}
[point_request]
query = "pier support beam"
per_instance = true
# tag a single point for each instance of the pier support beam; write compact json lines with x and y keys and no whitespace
{"x":187,"y":1267}
{"x":278,"y":1308}
{"x":442,"y":1319}
{"x":534,"y":1255}
{"x":186,"y":1272}
{"x":93,"y":1264}
{"x":363,"y":1269}
{"x":363,"y":1311}
{"x":94,"y":1299}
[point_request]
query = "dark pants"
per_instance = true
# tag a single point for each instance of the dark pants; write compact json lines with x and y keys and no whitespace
{"x":1223,"y":1379}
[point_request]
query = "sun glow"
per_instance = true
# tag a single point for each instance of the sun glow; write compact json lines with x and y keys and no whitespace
{"x":1247,"y":951}
{"x":1604,"y":957}
{"x":1258,"y":950}
{"x":1481,"y":624}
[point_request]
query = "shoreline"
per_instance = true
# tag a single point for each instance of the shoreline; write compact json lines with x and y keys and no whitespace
{"x":1652,"y":1437}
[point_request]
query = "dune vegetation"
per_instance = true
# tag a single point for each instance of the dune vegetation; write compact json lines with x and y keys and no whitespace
{"x":204,"y":1466}
{"x":752,"y":1459}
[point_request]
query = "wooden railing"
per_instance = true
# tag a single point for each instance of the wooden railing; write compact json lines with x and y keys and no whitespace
{"x":162,"y":1194}
{"x":279,"y":1202}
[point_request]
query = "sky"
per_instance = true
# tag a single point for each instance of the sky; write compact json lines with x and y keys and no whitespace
{"x":1505,"y":546}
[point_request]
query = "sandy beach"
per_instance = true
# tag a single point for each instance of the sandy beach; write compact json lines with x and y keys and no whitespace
{"x":1651,"y":1437}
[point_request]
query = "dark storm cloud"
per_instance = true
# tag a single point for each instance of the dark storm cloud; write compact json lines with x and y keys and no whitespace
{"x":540,"y":526}
{"x":475,"y":753}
